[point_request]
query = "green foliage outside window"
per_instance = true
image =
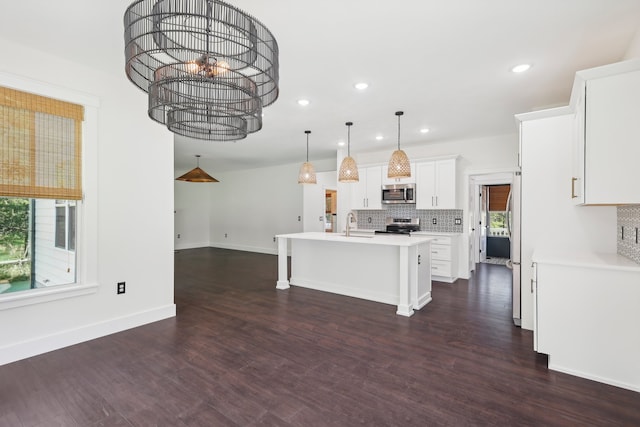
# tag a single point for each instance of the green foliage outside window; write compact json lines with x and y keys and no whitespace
{"x":14,"y":240}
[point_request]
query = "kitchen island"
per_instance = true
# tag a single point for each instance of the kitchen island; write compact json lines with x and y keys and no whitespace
{"x":391,"y":269}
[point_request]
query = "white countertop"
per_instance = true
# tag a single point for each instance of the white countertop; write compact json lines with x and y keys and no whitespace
{"x":435,"y":233}
{"x":611,"y":261}
{"x":367,"y":238}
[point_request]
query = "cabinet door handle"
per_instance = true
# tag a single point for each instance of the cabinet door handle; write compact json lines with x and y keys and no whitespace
{"x":573,"y":187}
{"x":436,"y":200}
{"x":531,"y":285}
{"x":432,"y":201}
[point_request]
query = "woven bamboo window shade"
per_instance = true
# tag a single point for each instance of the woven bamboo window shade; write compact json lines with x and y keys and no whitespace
{"x":40,"y":147}
{"x":498,"y":195}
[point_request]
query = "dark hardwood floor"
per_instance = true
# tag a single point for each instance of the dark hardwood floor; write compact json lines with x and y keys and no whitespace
{"x":241,"y":353}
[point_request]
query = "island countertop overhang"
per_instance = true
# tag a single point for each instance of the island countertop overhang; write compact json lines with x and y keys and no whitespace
{"x":386,"y":239}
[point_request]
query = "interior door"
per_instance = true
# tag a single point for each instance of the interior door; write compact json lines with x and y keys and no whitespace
{"x":483,"y":222}
{"x":471,"y":225}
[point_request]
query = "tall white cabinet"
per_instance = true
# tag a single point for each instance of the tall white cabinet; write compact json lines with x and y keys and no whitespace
{"x":549,"y":219}
{"x":607,"y":130}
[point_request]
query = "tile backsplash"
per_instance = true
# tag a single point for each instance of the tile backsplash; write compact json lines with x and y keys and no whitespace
{"x":445,"y":219}
{"x":629,"y":221}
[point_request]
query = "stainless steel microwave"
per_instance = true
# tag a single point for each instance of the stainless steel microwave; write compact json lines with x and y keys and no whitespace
{"x":398,"y":193}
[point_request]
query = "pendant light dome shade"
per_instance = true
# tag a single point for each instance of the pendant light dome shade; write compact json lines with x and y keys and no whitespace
{"x":348,"y":168}
{"x":307,"y":173}
{"x":399,"y":165}
{"x":196,"y":174}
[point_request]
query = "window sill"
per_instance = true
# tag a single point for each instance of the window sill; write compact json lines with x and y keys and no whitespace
{"x":44,"y":295}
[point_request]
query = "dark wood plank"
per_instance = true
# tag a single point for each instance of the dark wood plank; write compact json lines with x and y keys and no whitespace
{"x":241,"y":353}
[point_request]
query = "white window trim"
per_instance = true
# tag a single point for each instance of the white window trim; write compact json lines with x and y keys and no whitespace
{"x":87,"y":217}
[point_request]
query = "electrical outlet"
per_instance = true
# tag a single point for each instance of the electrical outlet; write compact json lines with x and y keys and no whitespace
{"x":298,"y":217}
{"x":434,"y":221}
{"x":121,"y":287}
{"x":178,"y":235}
{"x":274,"y":239}
{"x":225,"y":235}
{"x":458,"y":221}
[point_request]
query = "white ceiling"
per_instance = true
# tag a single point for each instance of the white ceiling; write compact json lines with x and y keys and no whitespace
{"x":445,"y":63}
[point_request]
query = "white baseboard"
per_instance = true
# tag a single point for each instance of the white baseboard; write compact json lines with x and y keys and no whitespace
{"x":45,"y":344}
{"x":593,"y":377}
{"x":246,"y":248}
{"x":191,"y":245}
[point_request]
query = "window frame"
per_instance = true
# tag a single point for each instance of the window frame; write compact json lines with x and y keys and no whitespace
{"x":69,"y":235}
{"x":86,"y":218}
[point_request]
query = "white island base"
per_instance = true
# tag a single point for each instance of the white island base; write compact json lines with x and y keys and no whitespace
{"x":390,"y":269}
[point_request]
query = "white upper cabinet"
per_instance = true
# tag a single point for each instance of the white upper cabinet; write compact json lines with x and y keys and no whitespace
{"x":607,"y":135}
{"x":436,"y":184}
{"x":390,"y":181}
{"x":367,"y":193}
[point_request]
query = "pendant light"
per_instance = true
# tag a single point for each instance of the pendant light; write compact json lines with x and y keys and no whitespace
{"x":399,"y":165}
{"x":307,"y":173}
{"x":348,"y":168}
{"x":196,"y":174}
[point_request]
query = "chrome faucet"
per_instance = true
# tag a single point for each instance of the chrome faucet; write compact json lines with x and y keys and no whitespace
{"x":350,"y":215}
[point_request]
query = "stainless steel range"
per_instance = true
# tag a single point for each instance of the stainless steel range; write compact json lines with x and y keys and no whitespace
{"x":400,"y":226}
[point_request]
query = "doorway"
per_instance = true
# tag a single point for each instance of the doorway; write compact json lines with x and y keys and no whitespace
{"x":331,"y":210}
{"x":495,"y":214}
{"x":489,"y":239}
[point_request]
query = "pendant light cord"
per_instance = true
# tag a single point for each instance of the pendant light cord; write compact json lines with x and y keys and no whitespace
{"x":399,"y":113}
{"x":307,"y":132}
{"x":349,"y":138}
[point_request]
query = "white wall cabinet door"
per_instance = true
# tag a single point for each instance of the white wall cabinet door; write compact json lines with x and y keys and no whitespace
{"x":390,"y":181}
{"x":367,"y":193}
{"x":606,"y":134}
{"x":446,"y":184}
{"x":612,"y":132}
{"x":436,"y":184}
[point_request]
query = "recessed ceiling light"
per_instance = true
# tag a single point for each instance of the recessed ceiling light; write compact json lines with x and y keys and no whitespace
{"x":341,"y":143}
{"x":361,"y":86}
{"x":303,"y":102}
{"x":379,"y":137}
{"x":521,"y":68}
{"x":424,"y":130}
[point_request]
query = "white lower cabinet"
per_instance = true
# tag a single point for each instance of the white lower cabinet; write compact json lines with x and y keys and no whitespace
{"x":444,"y":257}
{"x":587,"y":316}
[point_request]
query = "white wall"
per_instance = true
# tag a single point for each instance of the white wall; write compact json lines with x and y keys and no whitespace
{"x":634,"y":47}
{"x":479,"y":155}
{"x":252,"y":206}
{"x":127,"y":223}
{"x":192,"y":214}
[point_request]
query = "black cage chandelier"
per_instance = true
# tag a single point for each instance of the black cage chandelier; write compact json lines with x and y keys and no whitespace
{"x":209,"y":68}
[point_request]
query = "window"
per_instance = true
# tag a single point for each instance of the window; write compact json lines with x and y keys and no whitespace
{"x":65,"y":228}
{"x":40,"y":182}
{"x":32,"y":232}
